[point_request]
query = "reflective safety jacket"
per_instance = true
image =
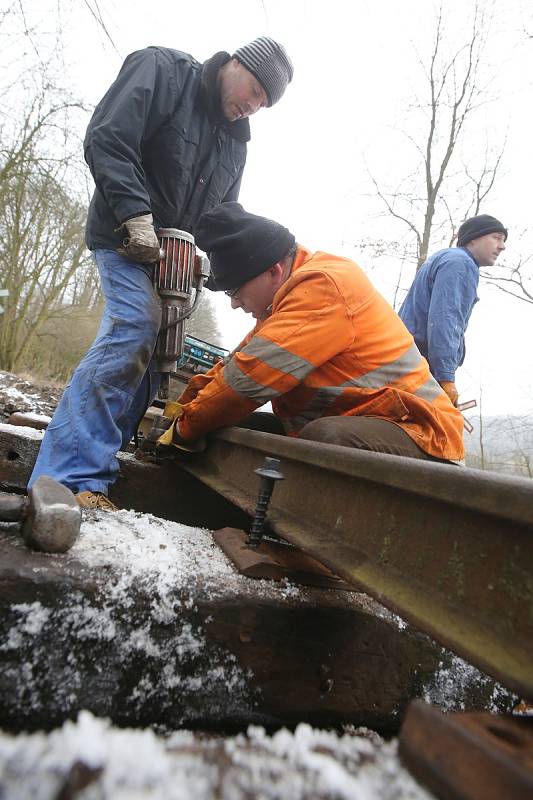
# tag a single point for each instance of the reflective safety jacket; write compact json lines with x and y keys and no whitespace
{"x":331,"y":346}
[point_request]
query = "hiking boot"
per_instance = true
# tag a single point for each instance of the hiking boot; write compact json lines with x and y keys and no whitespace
{"x":96,"y":500}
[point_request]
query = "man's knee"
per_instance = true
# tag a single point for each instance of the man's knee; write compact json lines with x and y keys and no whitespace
{"x":140,"y":325}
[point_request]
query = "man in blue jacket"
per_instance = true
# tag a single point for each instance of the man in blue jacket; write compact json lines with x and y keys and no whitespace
{"x":166,"y":143}
{"x":439,"y":303}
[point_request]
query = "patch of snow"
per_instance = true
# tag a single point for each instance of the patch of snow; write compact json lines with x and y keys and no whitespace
{"x":170,"y":557}
{"x":22,"y":430}
{"x":126,"y":764}
{"x":454,"y":681}
{"x":15,"y":394}
{"x":144,"y":572}
{"x":89,"y":622}
{"x":289,"y":589}
{"x":499,"y":699}
{"x":37,"y":417}
{"x":35,"y":616}
{"x":176,"y":574}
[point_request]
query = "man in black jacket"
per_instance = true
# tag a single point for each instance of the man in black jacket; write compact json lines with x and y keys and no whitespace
{"x":166,"y":143}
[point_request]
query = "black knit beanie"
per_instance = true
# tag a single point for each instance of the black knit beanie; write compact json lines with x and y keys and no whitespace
{"x":269,"y":62}
{"x":479,"y":226}
{"x":240,"y":245}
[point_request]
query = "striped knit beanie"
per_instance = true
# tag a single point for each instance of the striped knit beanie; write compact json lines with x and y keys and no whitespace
{"x":268,"y":61}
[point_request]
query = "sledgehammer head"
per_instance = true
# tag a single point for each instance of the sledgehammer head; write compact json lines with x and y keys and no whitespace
{"x":53,"y":517}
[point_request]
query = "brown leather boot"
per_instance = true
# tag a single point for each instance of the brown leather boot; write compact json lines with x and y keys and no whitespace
{"x":95,"y":500}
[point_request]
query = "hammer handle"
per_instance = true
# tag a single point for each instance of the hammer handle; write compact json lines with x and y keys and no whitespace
{"x":12,"y":507}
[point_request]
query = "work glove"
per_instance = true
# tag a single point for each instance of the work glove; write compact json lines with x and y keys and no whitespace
{"x":451,"y":391}
{"x":141,"y":243}
{"x":173,"y":410}
{"x":172,"y":437}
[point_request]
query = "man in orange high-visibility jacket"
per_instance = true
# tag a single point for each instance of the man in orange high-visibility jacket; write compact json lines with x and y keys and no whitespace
{"x":327,"y":350}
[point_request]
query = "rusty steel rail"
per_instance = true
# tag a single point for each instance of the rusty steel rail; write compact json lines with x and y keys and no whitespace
{"x":449,"y":549}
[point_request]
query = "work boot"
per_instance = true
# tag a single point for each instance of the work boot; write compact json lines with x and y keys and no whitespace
{"x":96,"y":500}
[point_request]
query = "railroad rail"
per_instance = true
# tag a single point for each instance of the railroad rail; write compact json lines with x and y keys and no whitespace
{"x":449,"y":549}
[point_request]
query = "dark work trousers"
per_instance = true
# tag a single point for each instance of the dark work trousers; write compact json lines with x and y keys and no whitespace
{"x":363,"y":433}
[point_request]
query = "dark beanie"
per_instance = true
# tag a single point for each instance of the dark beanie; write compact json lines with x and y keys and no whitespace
{"x":479,"y":226}
{"x":269,"y":62}
{"x":240,"y":245}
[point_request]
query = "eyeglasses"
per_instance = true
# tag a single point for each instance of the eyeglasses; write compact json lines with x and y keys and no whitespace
{"x":232,"y":292}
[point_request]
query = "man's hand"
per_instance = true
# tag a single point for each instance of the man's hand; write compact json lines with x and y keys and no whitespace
{"x":172,"y":437}
{"x":173,"y":409}
{"x":141,"y":244}
{"x":451,"y":391}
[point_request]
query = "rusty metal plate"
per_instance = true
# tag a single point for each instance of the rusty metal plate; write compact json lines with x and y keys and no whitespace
{"x":450,"y":549}
{"x":468,"y":756}
{"x":276,"y":561}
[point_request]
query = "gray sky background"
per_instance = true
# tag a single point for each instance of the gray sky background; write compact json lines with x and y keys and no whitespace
{"x":356,"y":72}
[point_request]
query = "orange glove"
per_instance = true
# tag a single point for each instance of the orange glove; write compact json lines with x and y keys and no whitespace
{"x":451,"y":391}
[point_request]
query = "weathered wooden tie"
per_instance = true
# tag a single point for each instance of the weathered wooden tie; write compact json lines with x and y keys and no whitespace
{"x":462,"y":756}
{"x":216,"y":649}
{"x":450,"y":549}
{"x":148,"y":624}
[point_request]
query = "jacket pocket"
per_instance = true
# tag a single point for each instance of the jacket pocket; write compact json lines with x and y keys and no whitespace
{"x":222,"y":180}
{"x":387,"y":403}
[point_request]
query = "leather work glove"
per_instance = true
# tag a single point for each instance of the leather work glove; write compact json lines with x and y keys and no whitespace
{"x":172,"y":438}
{"x":141,"y":244}
{"x":173,"y":409}
{"x":451,"y":391}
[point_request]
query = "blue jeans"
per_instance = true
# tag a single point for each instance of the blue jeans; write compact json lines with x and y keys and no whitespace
{"x":112,"y":386}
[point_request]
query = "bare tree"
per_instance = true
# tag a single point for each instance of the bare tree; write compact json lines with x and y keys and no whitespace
{"x":43,"y":261}
{"x":422,"y":199}
{"x":481,"y":442}
{"x":514,"y":451}
{"x":203,"y":323}
{"x":505,"y":444}
{"x":515,"y":280}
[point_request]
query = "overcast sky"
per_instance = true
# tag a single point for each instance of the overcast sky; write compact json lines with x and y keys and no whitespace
{"x":356,"y":72}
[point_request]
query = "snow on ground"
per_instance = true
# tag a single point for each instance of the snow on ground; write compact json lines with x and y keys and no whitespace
{"x":176,"y":573}
{"x":451,"y":682}
{"x":18,"y":394}
{"x":168,"y":556}
{"x":133,"y":764}
{"x":177,"y":568}
{"x":138,"y":764}
{"x":22,"y":430}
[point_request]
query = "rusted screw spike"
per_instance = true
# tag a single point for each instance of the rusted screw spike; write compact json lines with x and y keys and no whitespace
{"x":269,"y":475}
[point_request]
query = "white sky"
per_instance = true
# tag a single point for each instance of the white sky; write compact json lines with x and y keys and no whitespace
{"x":356,"y":71}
